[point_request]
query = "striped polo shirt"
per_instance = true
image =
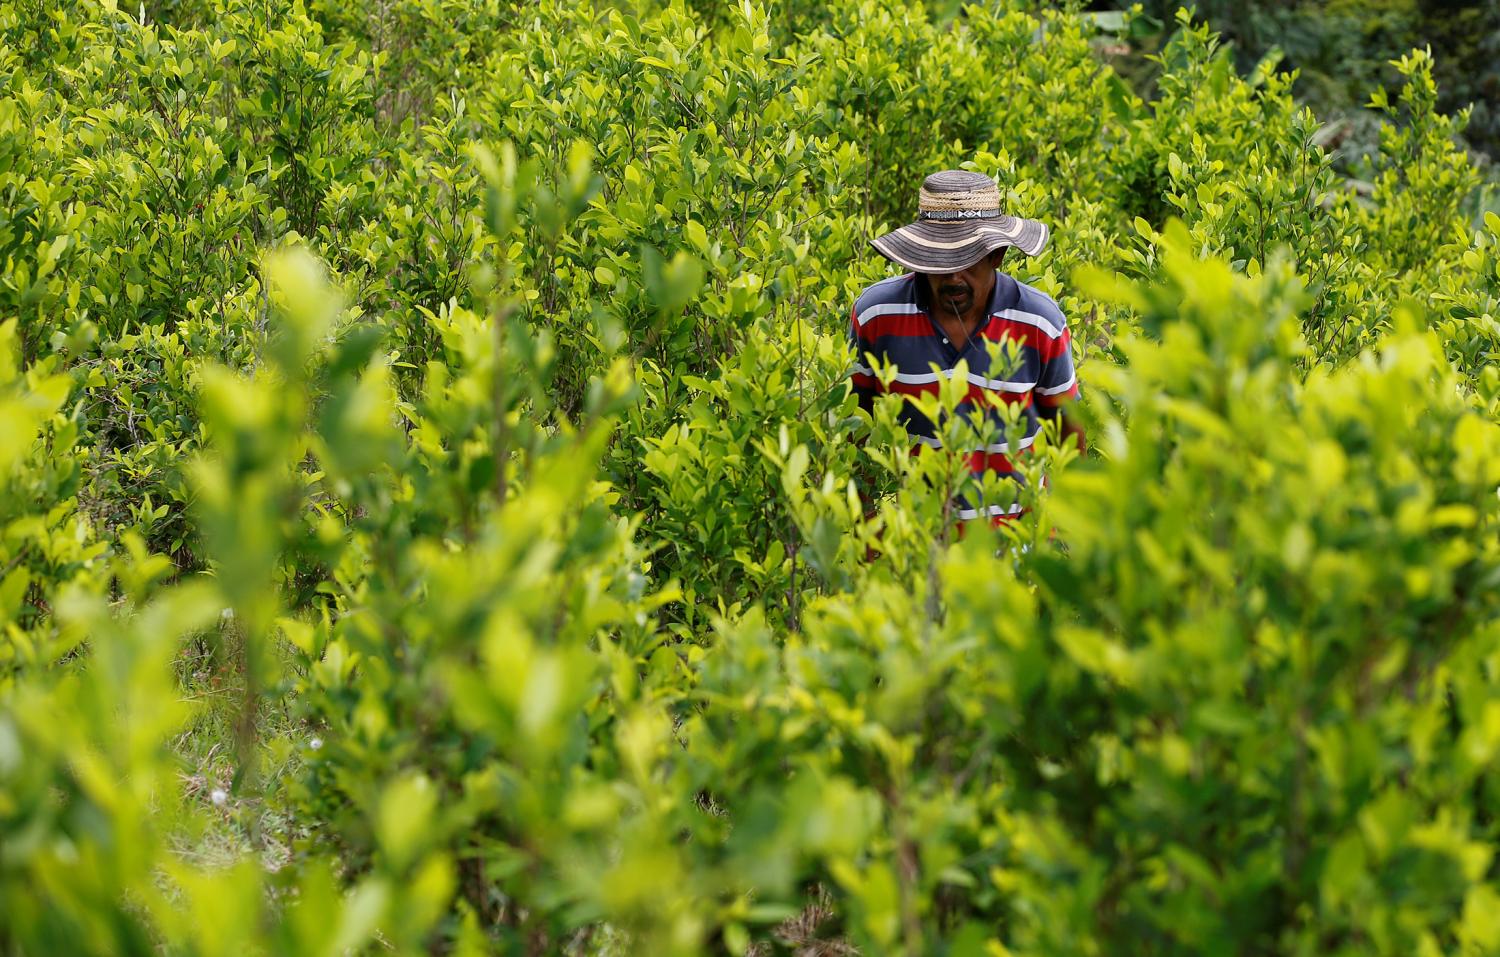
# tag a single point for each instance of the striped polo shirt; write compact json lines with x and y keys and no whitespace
{"x":891,"y":324}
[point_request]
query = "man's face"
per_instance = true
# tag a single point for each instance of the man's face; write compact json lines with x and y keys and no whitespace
{"x":958,"y":293}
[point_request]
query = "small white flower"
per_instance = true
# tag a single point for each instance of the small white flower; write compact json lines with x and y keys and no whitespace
{"x":143,"y":13}
{"x":315,"y":743}
{"x":218,"y":796}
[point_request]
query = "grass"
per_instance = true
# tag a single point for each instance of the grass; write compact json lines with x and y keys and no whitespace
{"x":232,"y":823}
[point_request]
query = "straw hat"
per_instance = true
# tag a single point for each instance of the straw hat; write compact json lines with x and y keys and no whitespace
{"x":958,"y":223}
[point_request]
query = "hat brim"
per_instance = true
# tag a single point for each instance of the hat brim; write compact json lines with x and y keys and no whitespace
{"x":940,"y":247}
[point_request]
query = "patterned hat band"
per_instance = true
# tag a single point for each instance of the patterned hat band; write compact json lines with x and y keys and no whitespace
{"x":967,"y":198}
{"x":950,"y":215}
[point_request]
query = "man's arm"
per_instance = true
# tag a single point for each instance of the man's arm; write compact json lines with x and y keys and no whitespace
{"x":1069,"y":425}
{"x":863,"y":377}
{"x":1057,"y":386}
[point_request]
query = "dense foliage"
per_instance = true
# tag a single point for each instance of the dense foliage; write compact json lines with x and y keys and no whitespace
{"x":431,"y":496}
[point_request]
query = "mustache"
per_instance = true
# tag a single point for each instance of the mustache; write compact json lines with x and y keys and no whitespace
{"x":953,"y":292}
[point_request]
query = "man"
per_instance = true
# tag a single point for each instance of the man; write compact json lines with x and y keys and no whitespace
{"x":955,"y":305}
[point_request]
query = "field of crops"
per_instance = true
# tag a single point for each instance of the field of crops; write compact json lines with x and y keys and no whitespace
{"x":434,"y":518}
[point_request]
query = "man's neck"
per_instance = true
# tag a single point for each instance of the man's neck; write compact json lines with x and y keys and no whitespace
{"x":958,"y":329}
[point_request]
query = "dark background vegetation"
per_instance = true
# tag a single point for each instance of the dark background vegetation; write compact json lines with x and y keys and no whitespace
{"x":1341,"y":50}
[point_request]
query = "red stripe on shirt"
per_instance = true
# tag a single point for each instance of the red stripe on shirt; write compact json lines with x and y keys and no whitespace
{"x":913,"y":324}
{"x":1049,"y":348}
{"x":979,"y":461}
{"x":997,"y":462}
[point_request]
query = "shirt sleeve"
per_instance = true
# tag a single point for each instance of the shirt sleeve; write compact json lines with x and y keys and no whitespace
{"x":863,"y":380}
{"x":1058,"y":381}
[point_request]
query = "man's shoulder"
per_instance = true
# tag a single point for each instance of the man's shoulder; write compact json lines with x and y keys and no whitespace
{"x":1032,"y":303}
{"x":892,"y":291}
{"x":1033,"y":300}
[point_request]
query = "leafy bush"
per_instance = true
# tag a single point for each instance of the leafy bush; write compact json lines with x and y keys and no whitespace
{"x":428,"y":473}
